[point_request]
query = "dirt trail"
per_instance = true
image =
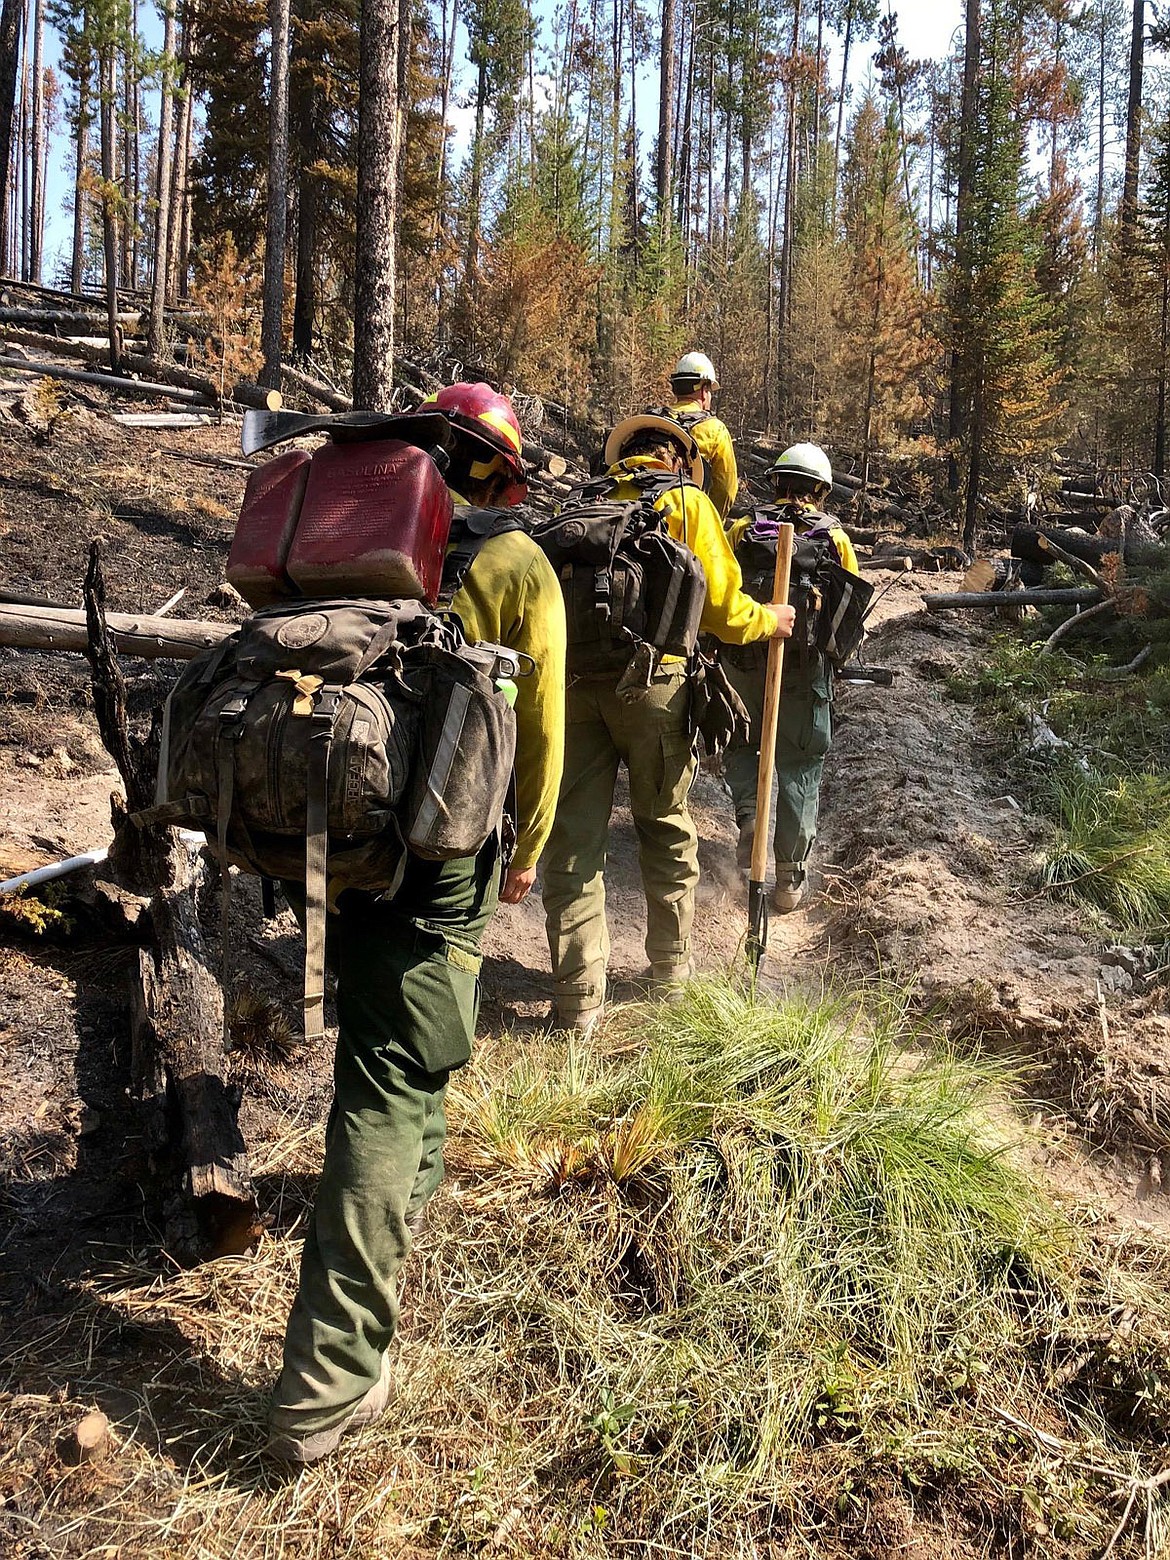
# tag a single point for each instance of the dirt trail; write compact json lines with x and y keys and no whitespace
{"x":923,"y":866}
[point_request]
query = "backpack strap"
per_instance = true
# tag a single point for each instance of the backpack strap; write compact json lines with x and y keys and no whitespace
{"x":691,"y":420}
{"x":317,"y":859}
{"x":470,"y":529}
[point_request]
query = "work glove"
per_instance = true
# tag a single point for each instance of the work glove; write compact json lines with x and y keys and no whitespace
{"x":718,"y":713}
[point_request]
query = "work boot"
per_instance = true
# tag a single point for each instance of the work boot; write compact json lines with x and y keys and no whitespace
{"x":668,"y":980}
{"x":788,"y":893}
{"x":578,"y":1021}
{"x":743,"y":848}
{"x":299,"y":1448}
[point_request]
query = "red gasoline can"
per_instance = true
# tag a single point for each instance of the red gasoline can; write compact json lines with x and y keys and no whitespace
{"x":375,"y":522}
{"x":268,"y":520}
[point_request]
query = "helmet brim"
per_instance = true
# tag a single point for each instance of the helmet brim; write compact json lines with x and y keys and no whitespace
{"x":623,"y":432}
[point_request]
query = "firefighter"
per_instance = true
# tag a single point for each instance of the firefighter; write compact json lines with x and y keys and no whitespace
{"x":648,"y":729}
{"x":508,"y":594}
{"x":408,"y":990}
{"x":802,"y":480}
{"x":693,"y":385}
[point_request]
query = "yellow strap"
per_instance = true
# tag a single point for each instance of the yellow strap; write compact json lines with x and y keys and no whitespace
{"x":306,"y":687}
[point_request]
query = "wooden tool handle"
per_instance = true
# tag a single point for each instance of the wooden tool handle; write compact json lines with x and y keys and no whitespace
{"x":761,"y":843}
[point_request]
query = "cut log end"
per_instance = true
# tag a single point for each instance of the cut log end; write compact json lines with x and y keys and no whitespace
{"x":87,"y":1441}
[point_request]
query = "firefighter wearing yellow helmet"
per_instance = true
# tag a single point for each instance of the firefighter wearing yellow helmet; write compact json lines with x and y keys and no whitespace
{"x":693,"y":384}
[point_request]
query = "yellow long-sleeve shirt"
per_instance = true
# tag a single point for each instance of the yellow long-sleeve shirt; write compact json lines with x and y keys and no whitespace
{"x":728,"y":612}
{"x":715,"y":446}
{"x":510,"y":596}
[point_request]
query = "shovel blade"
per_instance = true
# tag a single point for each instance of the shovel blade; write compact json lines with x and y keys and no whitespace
{"x":757,"y":933}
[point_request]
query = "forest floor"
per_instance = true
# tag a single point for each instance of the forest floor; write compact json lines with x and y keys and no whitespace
{"x":925,"y":880}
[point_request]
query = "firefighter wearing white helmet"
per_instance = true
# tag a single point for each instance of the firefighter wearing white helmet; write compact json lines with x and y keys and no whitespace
{"x":693,"y":385}
{"x":826,"y":590}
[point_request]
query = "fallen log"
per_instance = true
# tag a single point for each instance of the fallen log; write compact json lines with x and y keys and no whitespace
{"x":241,"y":394}
{"x":60,"y":346}
{"x":25,"y":627}
{"x":71,"y":324}
{"x":111,"y":382}
{"x":170,"y":420}
{"x":937,"y":601}
{"x":180,"y":1068}
{"x":316,"y":388}
{"x":1027,"y":545}
{"x":545,"y":460}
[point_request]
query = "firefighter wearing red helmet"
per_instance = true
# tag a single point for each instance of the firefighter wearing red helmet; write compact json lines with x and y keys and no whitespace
{"x":408,"y":989}
{"x":491,"y":450}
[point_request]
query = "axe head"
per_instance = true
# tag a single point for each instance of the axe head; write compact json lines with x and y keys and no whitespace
{"x":262,"y":430}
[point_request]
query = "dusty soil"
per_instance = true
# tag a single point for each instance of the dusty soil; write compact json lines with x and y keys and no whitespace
{"x":924,"y":876}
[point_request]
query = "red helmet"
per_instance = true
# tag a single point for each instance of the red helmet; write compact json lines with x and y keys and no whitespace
{"x":487,"y":417}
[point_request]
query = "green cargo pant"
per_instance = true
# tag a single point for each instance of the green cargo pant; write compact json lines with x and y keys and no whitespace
{"x":407,"y":1001}
{"x":803,"y":735}
{"x":650,"y":736}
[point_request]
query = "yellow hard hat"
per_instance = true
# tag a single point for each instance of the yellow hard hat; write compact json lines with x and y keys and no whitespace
{"x":662,"y":422}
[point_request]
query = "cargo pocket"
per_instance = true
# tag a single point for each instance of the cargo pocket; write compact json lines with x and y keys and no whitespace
{"x":444,"y":992}
{"x":677,"y":771}
{"x":811,"y":732}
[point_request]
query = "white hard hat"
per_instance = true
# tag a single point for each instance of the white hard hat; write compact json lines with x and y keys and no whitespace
{"x":697,"y":366}
{"x":806,"y":461}
{"x":661,"y":422}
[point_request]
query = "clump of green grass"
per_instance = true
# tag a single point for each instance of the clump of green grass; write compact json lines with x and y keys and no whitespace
{"x":731,"y":1234}
{"x":747,"y":1276}
{"x":1112,"y":847}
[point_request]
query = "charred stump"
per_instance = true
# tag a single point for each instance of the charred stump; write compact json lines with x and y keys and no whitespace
{"x":151,"y":881}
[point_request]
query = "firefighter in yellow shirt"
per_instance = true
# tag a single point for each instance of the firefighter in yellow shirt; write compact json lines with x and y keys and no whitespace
{"x":646,"y":727}
{"x":504,"y":591}
{"x":408,"y":989}
{"x":693,"y":385}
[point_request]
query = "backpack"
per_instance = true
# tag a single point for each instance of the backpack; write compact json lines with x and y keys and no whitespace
{"x":830,"y":601}
{"x":626,"y":581}
{"x":325,"y":739}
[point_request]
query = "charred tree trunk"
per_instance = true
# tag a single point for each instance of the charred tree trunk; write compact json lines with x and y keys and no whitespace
{"x":37,"y":215}
{"x":158,"y":286}
{"x":9,"y":74}
{"x":277,"y":210}
{"x":957,"y":416}
{"x":180,"y":1071}
{"x":375,"y":269}
{"x":665,"y":169}
{"x":1133,"y":126}
{"x":109,"y":208}
{"x":81,"y":158}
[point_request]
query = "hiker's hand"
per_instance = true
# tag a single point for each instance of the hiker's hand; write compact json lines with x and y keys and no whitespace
{"x":517,"y":885}
{"x":785,"y":618}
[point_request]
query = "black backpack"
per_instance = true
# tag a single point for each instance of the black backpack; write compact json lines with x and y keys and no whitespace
{"x":830,"y":601}
{"x":626,"y":580}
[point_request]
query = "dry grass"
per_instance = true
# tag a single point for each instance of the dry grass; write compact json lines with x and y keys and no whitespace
{"x":737,"y":1279}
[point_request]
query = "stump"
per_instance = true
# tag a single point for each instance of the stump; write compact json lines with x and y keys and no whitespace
{"x":180,"y":1068}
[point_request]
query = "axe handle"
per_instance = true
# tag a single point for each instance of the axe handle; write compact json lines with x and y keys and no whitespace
{"x":762,"y":843}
